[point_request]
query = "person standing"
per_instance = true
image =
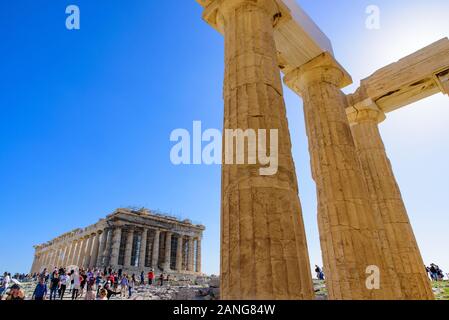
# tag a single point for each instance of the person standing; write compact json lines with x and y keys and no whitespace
{"x":433,"y":272}
{"x":63,"y":280}
{"x":5,"y":283}
{"x":124,"y":285}
{"x":142,"y":278}
{"x":83,"y":281}
{"x":131,"y":285}
{"x":161,"y":278}
{"x":150,"y":277}
{"x":76,"y":284}
{"x":54,"y":285}
{"x":40,"y":292}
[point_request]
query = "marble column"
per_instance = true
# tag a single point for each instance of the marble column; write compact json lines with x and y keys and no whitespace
{"x":150,"y":248}
{"x":115,"y":247}
{"x":128,"y":248}
{"x":89,"y":251}
{"x":102,"y":250}
{"x":53,"y":259}
{"x":67,"y":254}
{"x":155,"y":258}
{"x":57,"y":256}
{"x":45,"y":259}
{"x":393,"y":220}
{"x":179,"y":254}
{"x":35,"y":262}
{"x":263,"y":243}
{"x":95,"y":250}
{"x":350,"y":241}
{"x":72,"y":253}
{"x":198,"y":255}
{"x":39,"y":262}
{"x":82,"y":253}
{"x":143,"y":248}
{"x":190,"y":254}
{"x":167,"y":259}
{"x":48,"y":259}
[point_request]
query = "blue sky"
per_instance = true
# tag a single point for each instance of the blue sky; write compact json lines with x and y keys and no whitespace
{"x":86,"y":116}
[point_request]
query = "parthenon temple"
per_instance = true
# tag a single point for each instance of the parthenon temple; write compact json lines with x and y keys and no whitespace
{"x":131,"y":240}
{"x":363,"y":222}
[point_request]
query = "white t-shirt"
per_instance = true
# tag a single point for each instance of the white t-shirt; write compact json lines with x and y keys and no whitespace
{"x":6,"y":282}
{"x":76,"y":281}
{"x":63,"y":280}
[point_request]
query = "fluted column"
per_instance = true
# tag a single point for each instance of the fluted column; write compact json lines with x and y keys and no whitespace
{"x":95,"y":250}
{"x":198,"y":255}
{"x":179,"y":254}
{"x":58,"y":257}
{"x":45,"y":260}
{"x":115,"y":246}
{"x":67,"y":255}
{"x":105,"y":237}
{"x":190,"y":254}
{"x":349,"y":238}
{"x":150,"y":248}
{"x":263,"y":244}
{"x":82,"y":253}
{"x":155,"y":258}
{"x":40,"y":262}
{"x":72,"y":253}
{"x":48,"y":259}
{"x":53,"y":258}
{"x":143,"y":248}
{"x":34,"y":264}
{"x":167,"y":259}
{"x":88,"y":257}
{"x":128,"y":248}
{"x":397,"y":233}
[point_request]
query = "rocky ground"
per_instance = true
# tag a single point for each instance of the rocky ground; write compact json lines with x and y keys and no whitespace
{"x":207,"y":289}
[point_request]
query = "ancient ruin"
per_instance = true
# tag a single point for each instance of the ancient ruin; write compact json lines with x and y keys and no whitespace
{"x":131,"y":240}
{"x":361,"y":215}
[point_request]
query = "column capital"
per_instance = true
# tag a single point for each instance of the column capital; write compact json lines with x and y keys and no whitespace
{"x":216,"y":11}
{"x":364,"y":111}
{"x":323,"y":68}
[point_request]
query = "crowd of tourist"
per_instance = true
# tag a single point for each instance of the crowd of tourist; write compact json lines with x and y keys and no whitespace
{"x":435,"y":273}
{"x":77,"y":284}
